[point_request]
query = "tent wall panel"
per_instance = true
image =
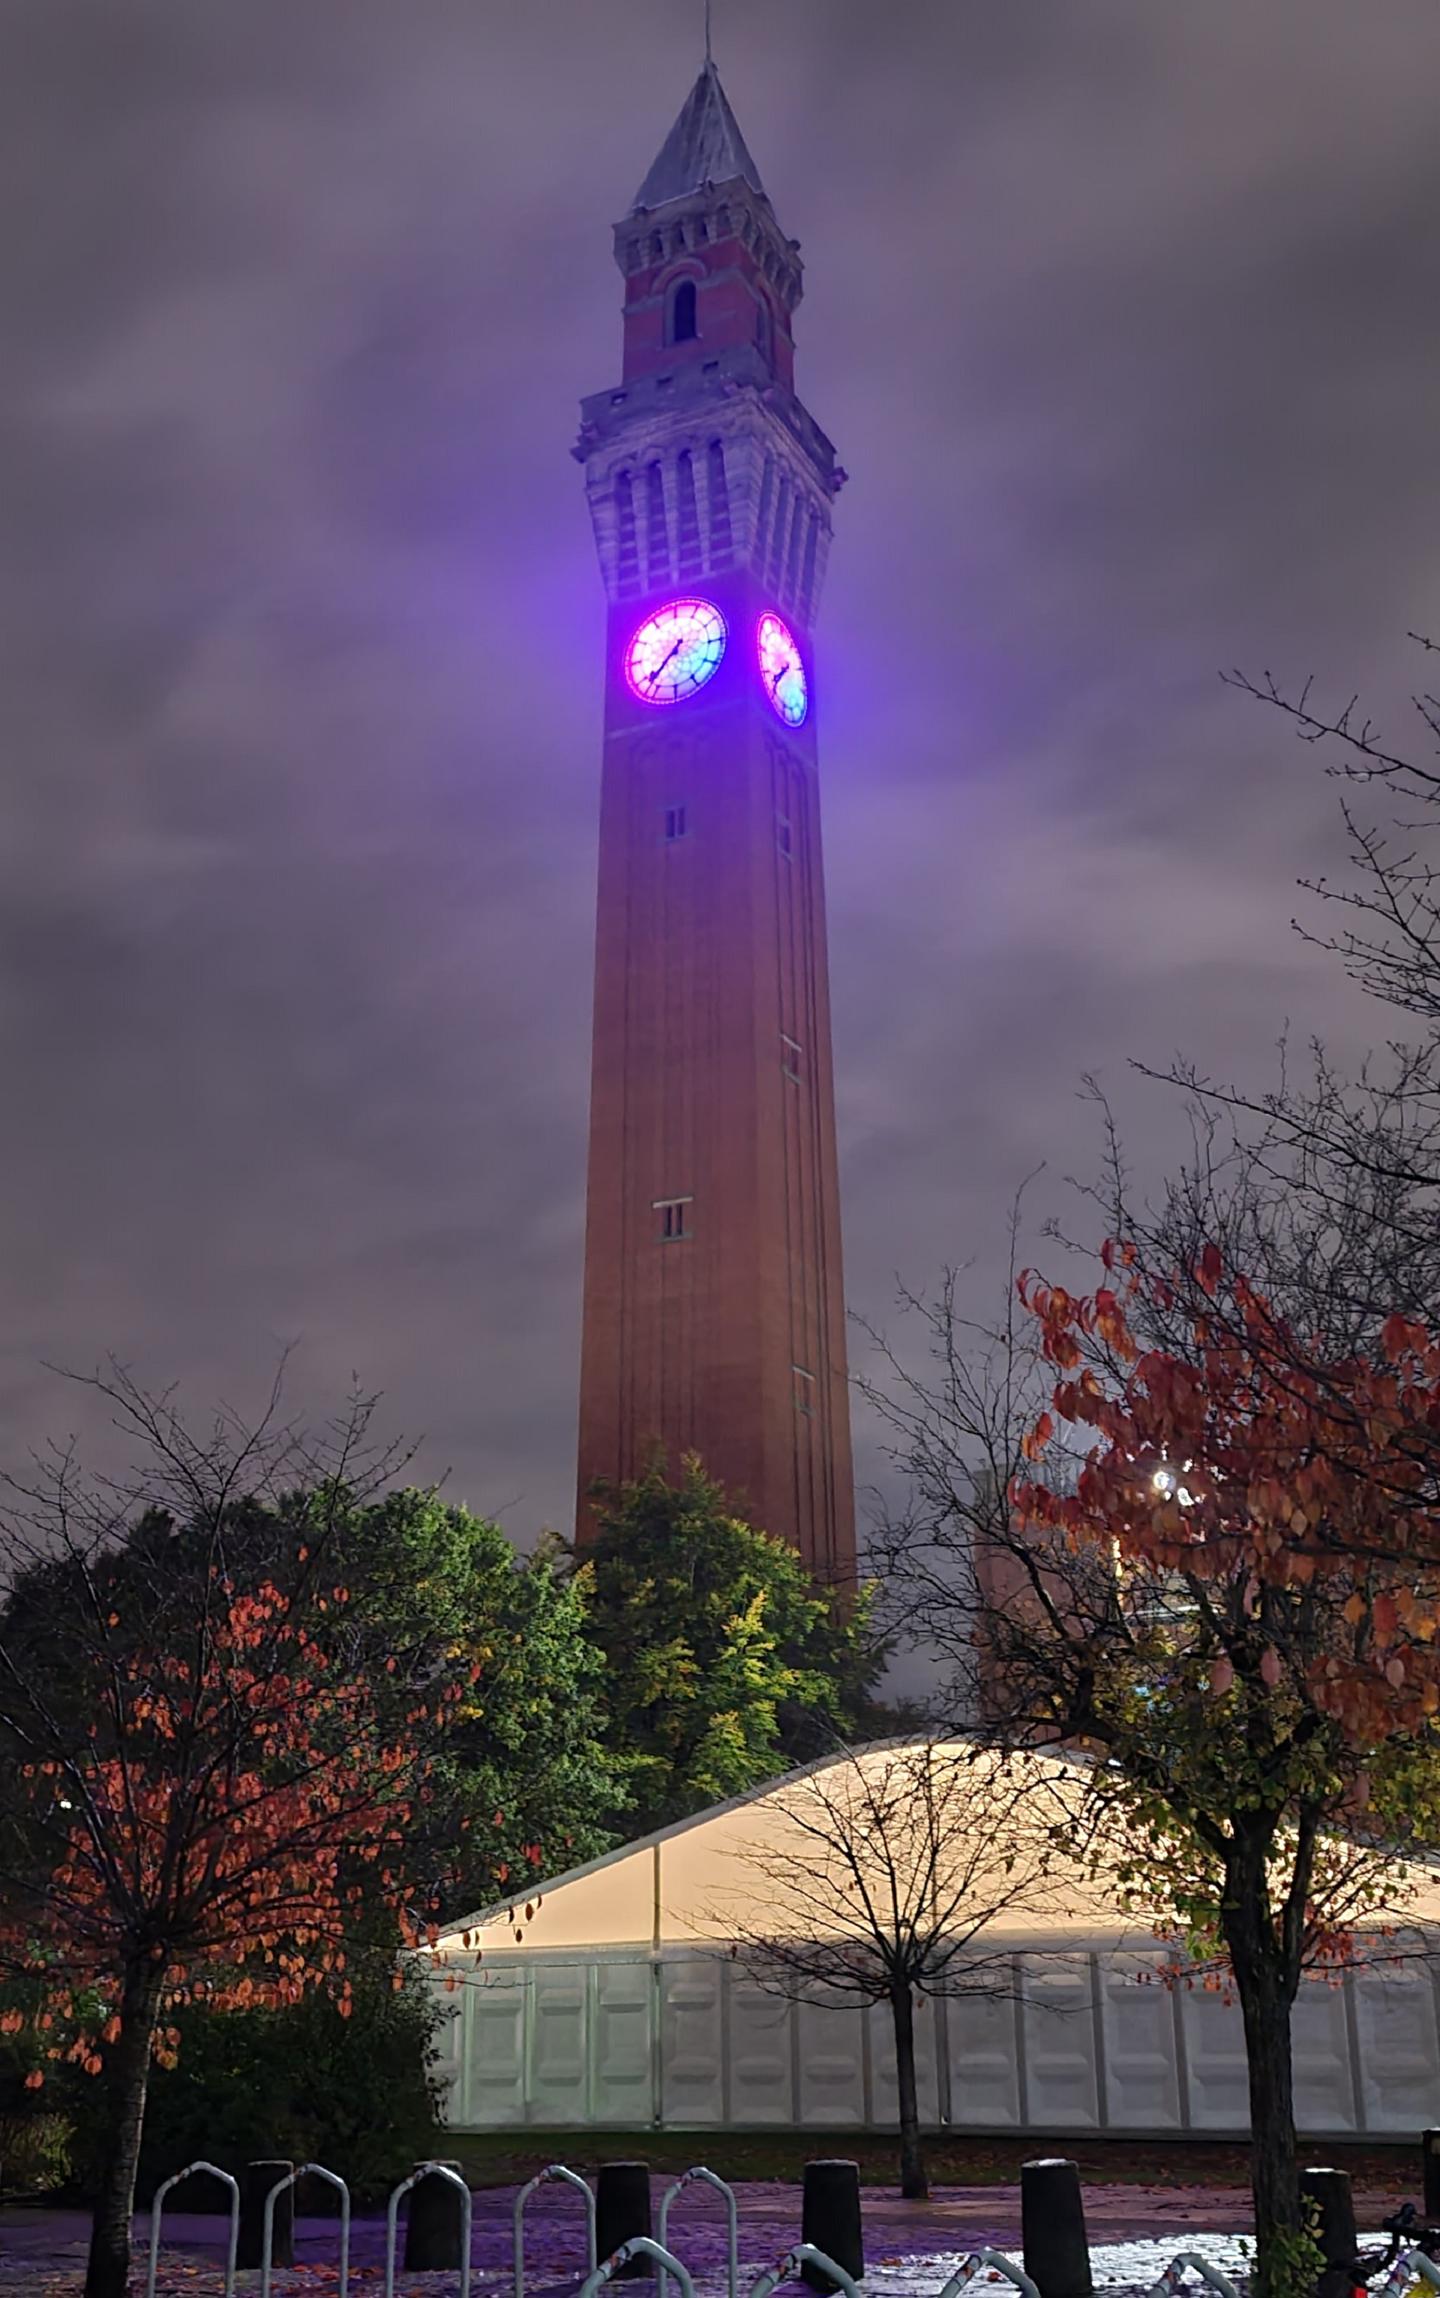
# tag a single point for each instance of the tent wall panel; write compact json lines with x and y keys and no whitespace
{"x":830,"y":2067}
{"x":1396,"y":2046}
{"x":1214,"y":2061}
{"x":686,"y":2041}
{"x":492,"y":2090}
{"x":762,"y":2071}
{"x":558,"y":2039}
{"x":1324,"y":2083}
{"x":622,"y":2046}
{"x":982,"y":2033}
{"x":694,"y":2031}
{"x":1059,"y":2032}
{"x":1139,"y":2045}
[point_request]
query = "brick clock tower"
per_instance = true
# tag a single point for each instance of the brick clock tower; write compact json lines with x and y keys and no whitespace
{"x":714,"y":1304}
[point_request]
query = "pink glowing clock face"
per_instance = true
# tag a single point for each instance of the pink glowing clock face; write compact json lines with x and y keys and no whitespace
{"x":782,"y":669}
{"x":676,"y":651}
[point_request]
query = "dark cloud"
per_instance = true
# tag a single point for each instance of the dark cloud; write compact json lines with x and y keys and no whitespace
{"x":1125,"y":320}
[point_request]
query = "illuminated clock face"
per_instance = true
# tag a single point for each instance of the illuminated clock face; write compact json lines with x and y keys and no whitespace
{"x":783,"y":670}
{"x":676,"y":651}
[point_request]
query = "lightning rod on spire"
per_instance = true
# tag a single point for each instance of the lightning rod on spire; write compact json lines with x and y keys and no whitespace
{"x":709,"y":57}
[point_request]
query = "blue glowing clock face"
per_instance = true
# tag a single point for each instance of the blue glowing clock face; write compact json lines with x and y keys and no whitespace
{"x":783,"y":670}
{"x":676,"y":651}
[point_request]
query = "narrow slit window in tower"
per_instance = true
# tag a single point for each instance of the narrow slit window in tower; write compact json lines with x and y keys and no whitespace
{"x":720,"y":537}
{"x":676,"y":825}
{"x":688,"y":516}
{"x":762,"y":515}
{"x":674,"y":1213}
{"x":792,"y":566}
{"x":657,"y":539}
{"x":792,"y":1055}
{"x":807,"y":579}
{"x":683,"y":325}
{"x":804,"y":1390}
{"x":777,"y":539}
{"x":782,"y":836}
{"x":627,"y":563}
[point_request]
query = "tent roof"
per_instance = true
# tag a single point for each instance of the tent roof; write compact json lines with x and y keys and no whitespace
{"x":692,"y":1883}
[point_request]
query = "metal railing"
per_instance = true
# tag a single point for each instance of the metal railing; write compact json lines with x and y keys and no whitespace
{"x":267,"y":2238}
{"x":640,"y":2246}
{"x":553,"y":2172}
{"x":804,"y":2254}
{"x":392,"y":2220}
{"x":997,"y":2263}
{"x":1190,"y":2262}
{"x":698,"y":2175}
{"x":157,"y":2213}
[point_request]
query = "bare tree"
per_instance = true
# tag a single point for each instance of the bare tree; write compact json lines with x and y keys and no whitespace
{"x":879,"y":1873}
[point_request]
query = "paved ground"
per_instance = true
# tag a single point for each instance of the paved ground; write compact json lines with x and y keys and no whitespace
{"x":911,"y":2247}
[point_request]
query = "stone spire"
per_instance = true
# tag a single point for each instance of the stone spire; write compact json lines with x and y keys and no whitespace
{"x":704,"y":146}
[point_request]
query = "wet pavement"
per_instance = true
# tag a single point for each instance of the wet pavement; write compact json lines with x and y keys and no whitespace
{"x":911,"y":2247}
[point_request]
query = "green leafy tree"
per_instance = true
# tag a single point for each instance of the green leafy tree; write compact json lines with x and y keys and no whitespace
{"x":526,"y":1765}
{"x":725,"y":1663}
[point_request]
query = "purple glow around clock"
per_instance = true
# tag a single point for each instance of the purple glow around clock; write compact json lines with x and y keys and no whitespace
{"x":676,"y":651}
{"x":782,"y":670}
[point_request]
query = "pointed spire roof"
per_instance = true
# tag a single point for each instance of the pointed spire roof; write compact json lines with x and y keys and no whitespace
{"x":704,"y":146}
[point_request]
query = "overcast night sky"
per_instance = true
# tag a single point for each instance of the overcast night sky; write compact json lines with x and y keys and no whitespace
{"x":1124,"y":318}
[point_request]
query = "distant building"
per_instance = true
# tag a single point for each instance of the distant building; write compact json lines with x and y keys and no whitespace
{"x":714,"y":1313}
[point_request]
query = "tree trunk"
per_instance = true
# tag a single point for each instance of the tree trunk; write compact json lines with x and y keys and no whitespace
{"x":1266,"y":1989}
{"x":107,"y":2270}
{"x":913,"y":2182}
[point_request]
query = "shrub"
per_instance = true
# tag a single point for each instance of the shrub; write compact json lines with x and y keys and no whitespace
{"x":301,"y":2084}
{"x":35,"y":2152}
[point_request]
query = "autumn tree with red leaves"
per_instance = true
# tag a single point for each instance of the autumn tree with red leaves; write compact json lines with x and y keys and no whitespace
{"x":1218,"y":1569}
{"x":200,"y":1796}
{"x":1268,"y":1516}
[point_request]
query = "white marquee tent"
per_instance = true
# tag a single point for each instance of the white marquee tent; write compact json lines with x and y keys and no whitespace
{"x":621,"y":2005}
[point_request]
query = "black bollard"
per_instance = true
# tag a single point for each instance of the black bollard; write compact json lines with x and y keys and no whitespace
{"x":830,"y":2219}
{"x":1430,"y":2145}
{"x":256,"y":2180}
{"x":1333,"y":2208}
{"x":434,"y":2225}
{"x":1052,"y":2229}
{"x":622,"y":2210}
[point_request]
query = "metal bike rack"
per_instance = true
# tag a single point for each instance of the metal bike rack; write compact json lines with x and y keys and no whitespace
{"x":1416,"y":2265}
{"x":804,"y":2254}
{"x":157,"y":2212}
{"x":998,"y":2263}
{"x":640,"y":2247}
{"x":552,"y":2173}
{"x":392,"y":2220}
{"x":1189,"y":2262}
{"x":698,"y":2175}
{"x":267,"y":2239}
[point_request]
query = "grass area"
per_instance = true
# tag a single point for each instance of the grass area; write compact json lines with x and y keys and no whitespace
{"x":502,"y":2158}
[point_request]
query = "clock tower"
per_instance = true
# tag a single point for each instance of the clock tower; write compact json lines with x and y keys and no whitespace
{"x":714,"y":1304}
